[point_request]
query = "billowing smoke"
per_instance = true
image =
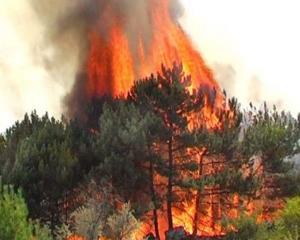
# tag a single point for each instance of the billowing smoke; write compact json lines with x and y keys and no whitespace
{"x":43,"y":50}
{"x":100,"y":16}
{"x":40,"y":56}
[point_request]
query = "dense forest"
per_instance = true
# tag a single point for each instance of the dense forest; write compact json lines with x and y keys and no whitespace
{"x":133,"y":167}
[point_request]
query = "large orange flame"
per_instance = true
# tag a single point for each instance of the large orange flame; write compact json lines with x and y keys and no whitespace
{"x":116,"y":60}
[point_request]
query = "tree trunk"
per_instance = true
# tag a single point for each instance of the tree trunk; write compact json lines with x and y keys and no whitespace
{"x":198,"y":197}
{"x":170,"y":185}
{"x":154,"y":200}
{"x":66,"y":206}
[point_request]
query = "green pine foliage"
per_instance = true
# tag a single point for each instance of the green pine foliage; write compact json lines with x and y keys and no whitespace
{"x":14,"y":222}
{"x":13,"y":215}
{"x":274,"y":136}
{"x":286,"y":227}
{"x":130,"y":143}
{"x":13,"y":137}
{"x":46,"y":169}
{"x":122,"y":225}
{"x":289,"y":221}
{"x":167,"y":96}
{"x":123,"y":144}
{"x":90,"y":219}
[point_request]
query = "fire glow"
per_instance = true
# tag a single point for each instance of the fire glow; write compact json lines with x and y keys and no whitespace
{"x":128,"y":52}
{"x":116,"y":60}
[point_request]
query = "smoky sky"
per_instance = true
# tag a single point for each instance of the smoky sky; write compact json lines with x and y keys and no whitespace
{"x":69,"y":22}
{"x":44,"y":46}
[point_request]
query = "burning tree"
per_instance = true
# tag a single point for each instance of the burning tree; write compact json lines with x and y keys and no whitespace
{"x":272,"y":138}
{"x":221,"y":177}
{"x":169,"y":98}
{"x":199,"y":164}
{"x":170,"y":144}
{"x":178,"y":155}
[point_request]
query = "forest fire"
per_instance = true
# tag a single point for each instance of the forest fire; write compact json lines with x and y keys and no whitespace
{"x":127,"y":53}
{"x":124,"y":49}
{"x":119,"y":58}
{"x":149,"y":147}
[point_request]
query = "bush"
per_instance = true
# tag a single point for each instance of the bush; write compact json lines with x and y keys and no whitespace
{"x":122,"y":225}
{"x":14,"y":223}
{"x":288,"y":225}
{"x":290,"y":217}
{"x":13,"y":215}
{"x":41,"y":232}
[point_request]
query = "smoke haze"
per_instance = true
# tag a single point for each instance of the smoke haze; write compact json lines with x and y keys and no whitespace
{"x":43,"y":49}
{"x":258,"y":39}
{"x":44,"y":43}
{"x":117,"y":32}
{"x":37,"y":64}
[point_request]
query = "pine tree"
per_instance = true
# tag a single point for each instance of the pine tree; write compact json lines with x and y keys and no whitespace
{"x":220,"y":165}
{"x":125,"y":143}
{"x":13,"y":215}
{"x":14,"y":223}
{"x":122,"y":225}
{"x":168,"y":97}
{"x":272,"y":138}
{"x":2,"y":150}
{"x":46,"y":169}
{"x":13,"y":137}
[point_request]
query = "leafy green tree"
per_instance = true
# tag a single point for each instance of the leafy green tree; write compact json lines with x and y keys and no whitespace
{"x":290,"y":216}
{"x":122,"y":144}
{"x":2,"y":143}
{"x":81,"y":140}
{"x":40,"y":231}
{"x":274,"y":137}
{"x":90,"y":220}
{"x":247,"y":228}
{"x":65,"y":137}
{"x":125,"y":143}
{"x":168,"y":97}
{"x":14,"y":222}
{"x":2,"y":149}
{"x":13,"y":137}
{"x":271,"y":139}
{"x":46,"y":169}
{"x":220,"y":165}
{"x":13,"y":215}
{"x":285,"y":227}
{"x":100,"y":215}
{"x":122,"y":225}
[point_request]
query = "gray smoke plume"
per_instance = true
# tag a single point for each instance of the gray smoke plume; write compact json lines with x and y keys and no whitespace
{"x":44,"y":46}
{"x":133,"y":16}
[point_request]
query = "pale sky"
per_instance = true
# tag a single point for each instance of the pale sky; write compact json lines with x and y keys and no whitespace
{"x":260,"y":39}
{"x":253,"y":45}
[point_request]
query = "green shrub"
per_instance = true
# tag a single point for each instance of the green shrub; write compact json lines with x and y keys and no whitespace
{"x":14,"y":223}
{"x":13,"y":215}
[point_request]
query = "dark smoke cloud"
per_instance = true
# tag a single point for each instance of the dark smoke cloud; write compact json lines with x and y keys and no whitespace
{"x":66,"y":23}
{"x":44,"y":45}
{"x":82,"y":15}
